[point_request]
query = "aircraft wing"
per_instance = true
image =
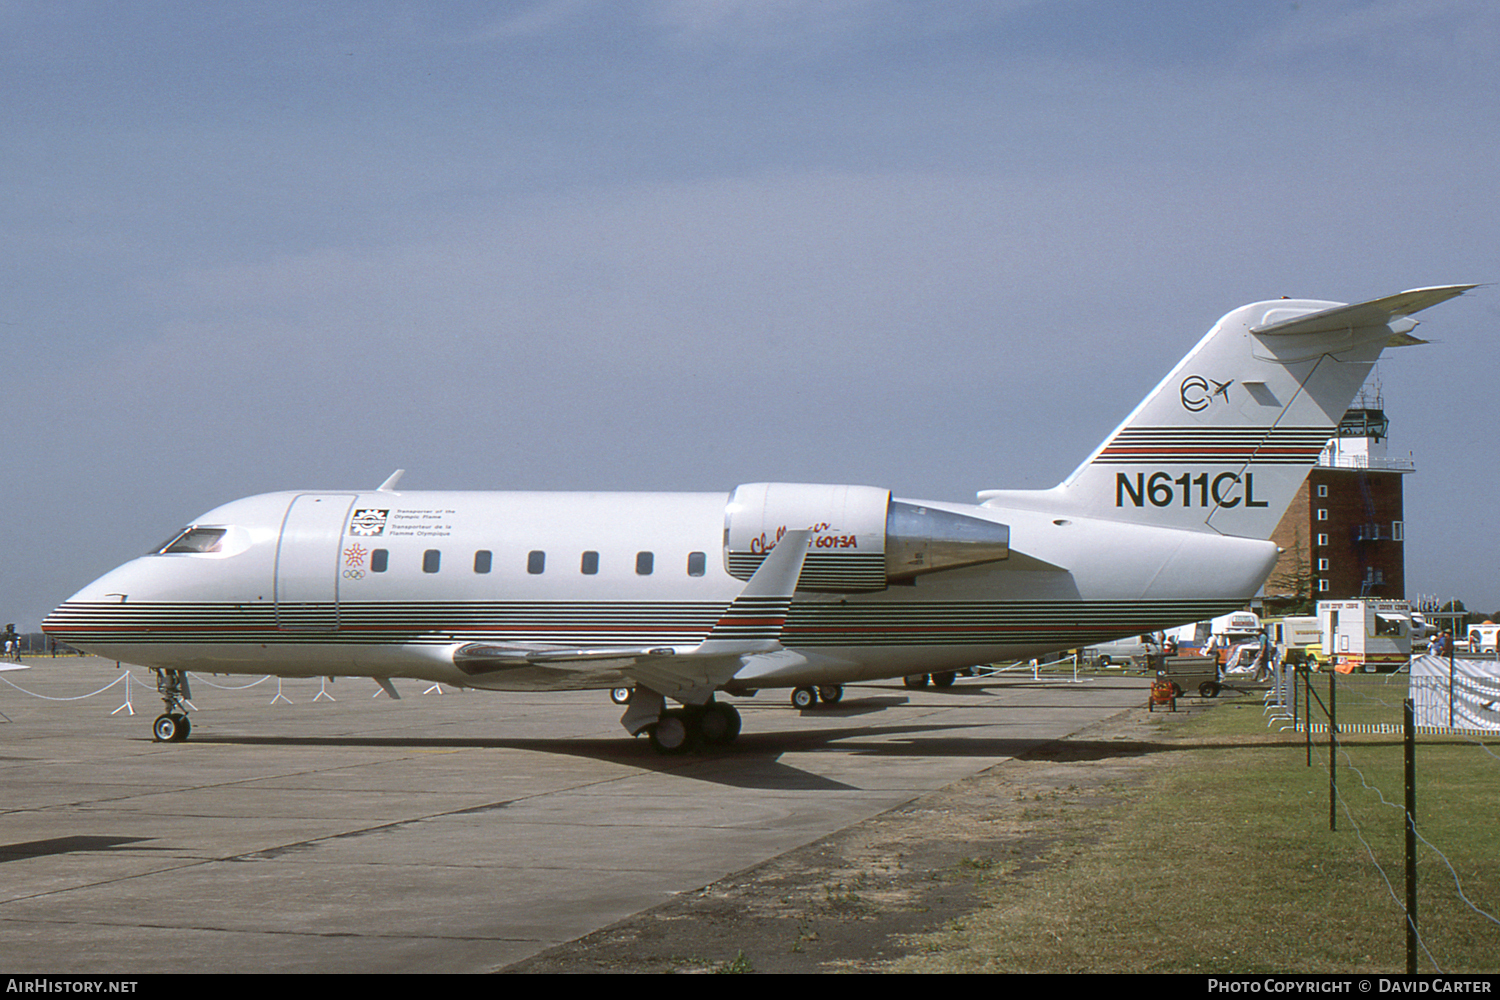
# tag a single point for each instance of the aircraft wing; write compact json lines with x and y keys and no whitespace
{"x":749,"y":627}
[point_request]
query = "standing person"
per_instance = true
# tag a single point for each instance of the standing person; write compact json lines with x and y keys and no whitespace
{"x":1262,"y":657}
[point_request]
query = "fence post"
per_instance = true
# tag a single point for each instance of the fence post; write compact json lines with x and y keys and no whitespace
{"x":1295,"y":671}
{"x":1307,"y":711}
{"x":1410,"y":755}
{"x":1333,"y":736}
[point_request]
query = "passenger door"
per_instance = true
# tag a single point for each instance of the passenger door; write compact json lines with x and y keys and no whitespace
{"x":307,"y":562}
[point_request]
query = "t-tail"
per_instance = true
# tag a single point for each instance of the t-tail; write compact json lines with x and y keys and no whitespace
{"x":1226,"y":439}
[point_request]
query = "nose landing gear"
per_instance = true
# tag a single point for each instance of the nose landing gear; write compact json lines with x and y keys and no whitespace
{"x":172,"y":726}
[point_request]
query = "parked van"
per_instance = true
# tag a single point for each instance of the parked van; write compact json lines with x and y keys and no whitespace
{"x":1366,"y":636}
{"x":1130,"y":652}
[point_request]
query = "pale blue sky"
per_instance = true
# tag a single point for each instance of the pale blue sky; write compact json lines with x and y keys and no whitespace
{"x":677,"y":245}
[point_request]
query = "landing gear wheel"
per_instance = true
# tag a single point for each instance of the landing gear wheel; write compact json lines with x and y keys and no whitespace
{"x":1208,"y":689}
{"x":831,"y":694}
{"x":915,"y":681}
{"x":804,"y":698}
{"x":171,"y":728}
{"x":719,"y":723}
{"x":944,"y":680}
{"x":621,"y":695}
{"x":674,"y":733}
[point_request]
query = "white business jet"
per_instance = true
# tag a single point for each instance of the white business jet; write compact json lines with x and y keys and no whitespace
{"x":772,"y":585}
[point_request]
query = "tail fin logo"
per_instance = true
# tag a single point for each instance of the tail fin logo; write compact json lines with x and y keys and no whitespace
{"x":1195,"y":395}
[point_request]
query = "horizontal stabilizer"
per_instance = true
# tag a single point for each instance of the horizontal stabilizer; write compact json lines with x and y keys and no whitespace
{"x":1377,"y":312}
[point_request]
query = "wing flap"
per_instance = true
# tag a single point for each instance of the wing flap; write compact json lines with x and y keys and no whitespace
{"x":751,"y":625}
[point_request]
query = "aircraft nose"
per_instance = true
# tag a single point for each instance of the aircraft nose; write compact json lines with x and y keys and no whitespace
{"x":93,"y":607}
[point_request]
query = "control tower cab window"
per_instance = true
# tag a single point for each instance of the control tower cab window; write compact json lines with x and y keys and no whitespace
{"x":194,"y":540}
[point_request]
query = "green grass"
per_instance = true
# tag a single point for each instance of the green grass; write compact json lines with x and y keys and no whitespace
{"x":1222,"y":860}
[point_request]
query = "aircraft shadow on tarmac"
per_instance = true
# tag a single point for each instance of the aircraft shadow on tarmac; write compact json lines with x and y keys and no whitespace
{"x":70,"y":845}
{"x":754,"y":759}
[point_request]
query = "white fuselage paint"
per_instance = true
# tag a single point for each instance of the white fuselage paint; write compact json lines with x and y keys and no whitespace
{"x":292,"y":591}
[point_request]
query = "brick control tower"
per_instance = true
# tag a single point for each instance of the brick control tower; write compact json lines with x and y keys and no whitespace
{"x":1344,"y":534}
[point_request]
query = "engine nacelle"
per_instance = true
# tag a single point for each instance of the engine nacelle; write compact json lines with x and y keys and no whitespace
{"x":862,"y":539}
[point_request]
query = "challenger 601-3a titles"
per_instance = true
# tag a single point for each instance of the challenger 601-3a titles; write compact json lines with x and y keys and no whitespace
{"x":683,"y":596}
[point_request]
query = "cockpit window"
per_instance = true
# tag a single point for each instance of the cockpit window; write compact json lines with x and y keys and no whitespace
{"x":194,"y":540}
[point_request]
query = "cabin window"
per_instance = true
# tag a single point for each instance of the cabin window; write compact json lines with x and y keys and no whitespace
{"x":482,"y":560}
{"x":379,"y":560}
{"x":536,"y":562}
{"x":589,"y":564}
{"x":697,"y":563}
{"x":644,"y":561}
{"x":194,"y":540}
{"x":431,"y":560}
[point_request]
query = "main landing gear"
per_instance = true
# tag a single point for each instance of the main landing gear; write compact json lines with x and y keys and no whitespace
{"x":806,"y":697}
{"x":172,"y":726}
{"x":679,"y":730}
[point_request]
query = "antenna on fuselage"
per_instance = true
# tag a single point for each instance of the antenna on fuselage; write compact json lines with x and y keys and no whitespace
{"x":390,"y":484}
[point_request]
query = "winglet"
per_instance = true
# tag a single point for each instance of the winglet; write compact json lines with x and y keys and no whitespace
{"x":753,"y":620}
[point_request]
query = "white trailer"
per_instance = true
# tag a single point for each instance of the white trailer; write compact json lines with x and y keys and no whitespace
{"x":1296,"y":638}
{"x":1365,"y":636}
{"x":1483,"y":638}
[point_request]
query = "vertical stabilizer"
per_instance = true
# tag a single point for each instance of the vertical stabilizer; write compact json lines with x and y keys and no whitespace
{"x":1223,"y":443}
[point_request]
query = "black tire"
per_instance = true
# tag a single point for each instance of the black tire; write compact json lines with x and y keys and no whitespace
{"x":915,"y":681}
{"x":804,"y":698}
{"x":1208,"y":689}
{"x":621,"y":695}
{"x":673,"y":734}
{"x":944,"y":679}
{"x":830,"y":694}
{"x":719,"y":723}
{"x":166,"y":728}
